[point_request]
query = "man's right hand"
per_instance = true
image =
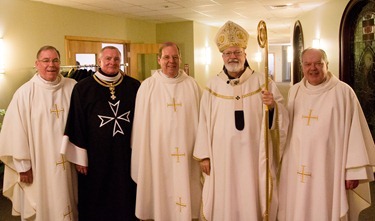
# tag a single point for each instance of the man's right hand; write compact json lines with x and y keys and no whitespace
{"x":205,"y":166}
{"x":81,"y":169}
{"x":27,"y":177}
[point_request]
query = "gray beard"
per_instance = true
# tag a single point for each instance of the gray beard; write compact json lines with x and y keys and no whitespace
{"x":234,"y":67}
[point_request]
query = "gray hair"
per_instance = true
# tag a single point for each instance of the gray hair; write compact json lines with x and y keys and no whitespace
{"x":47,"y":48}
{"x":109,"y":47}
{"x":322,"y":52}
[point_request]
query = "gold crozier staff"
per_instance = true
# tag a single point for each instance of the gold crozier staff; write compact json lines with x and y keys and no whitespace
{"x":263,"y":43}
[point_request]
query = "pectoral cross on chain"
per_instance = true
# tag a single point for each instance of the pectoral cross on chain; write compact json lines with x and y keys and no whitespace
{"x":309,"y":117}
{"x":56,"y":110}
{"x":174,"y":104}
{"x":303,"y":174}
{"x":178,"y":155}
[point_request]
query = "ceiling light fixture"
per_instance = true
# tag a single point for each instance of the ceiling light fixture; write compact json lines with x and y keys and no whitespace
{"x":283,"y":6}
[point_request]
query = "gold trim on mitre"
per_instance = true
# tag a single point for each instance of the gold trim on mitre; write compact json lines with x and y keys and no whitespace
{"x":231,"y":34}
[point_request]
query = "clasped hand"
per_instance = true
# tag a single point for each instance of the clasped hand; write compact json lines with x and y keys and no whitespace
{"x":26,"y":177}
{"x":267,"y":98}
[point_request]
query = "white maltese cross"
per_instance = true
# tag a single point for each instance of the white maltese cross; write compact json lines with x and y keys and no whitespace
{"x":106,"y":119}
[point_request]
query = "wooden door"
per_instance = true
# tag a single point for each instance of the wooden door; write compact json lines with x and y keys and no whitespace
{"x":88,"y":45}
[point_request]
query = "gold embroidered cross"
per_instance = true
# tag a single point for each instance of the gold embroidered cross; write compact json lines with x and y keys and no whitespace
{"x":303,"y":174}
{"x":68,"y":213}
{"x":56,"y":110}
{"x":62,"y":162}
{"x":180,"y":204}
{"x":174,"y":104}
{"x":178,"y":155}
{"x":309,"y":117}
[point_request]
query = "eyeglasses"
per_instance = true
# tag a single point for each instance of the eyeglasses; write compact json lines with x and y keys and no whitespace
{"x":47,"y":61}
{"x":167,"y":57}
{"x":235,"y":53}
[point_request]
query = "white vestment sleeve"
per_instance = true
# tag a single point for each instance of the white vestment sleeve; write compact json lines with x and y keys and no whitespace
{"x":22,"y":165}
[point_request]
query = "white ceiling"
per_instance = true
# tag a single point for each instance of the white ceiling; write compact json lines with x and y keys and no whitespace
{"x":279,"y":15}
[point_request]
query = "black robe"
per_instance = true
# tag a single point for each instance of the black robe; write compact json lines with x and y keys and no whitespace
{"x":103,"y":127}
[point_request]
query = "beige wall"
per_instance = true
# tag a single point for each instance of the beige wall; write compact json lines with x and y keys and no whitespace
{"x":252,"y":49}
{"x":207,"y":58}
{"x":25,"y":26}
{"x":277,"y":51}
{"x":324,"y":23}
{"x":182,"y":34}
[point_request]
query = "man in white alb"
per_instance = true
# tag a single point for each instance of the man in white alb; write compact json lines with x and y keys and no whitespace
{"x":329,"y":148}
{"x":164,"y":130}
{"x":38,"y":180}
